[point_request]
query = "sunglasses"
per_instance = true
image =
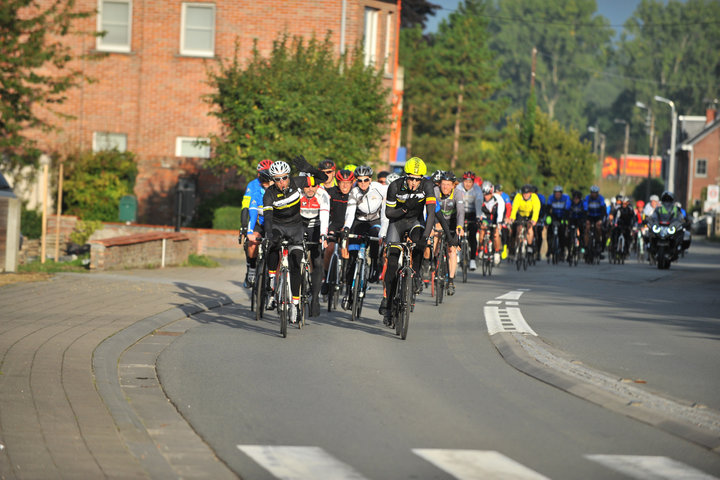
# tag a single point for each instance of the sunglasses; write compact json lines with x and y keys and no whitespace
{"x":329,"y":171}
{"x":414,"y":179}
{"x":364,"y":180}
{"x":280,"y":179}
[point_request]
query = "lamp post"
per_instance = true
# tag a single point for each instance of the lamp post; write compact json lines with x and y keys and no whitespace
{"x":59,"y":212}
{"x":650,"y":144}
{"x":45,"y":163}
{"x":623,"y":165}
{"x":598,"y":147}
{"x":671,"y":167}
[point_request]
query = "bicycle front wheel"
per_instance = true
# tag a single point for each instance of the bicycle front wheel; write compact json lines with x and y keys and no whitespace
{"x":356,"y":290}
{"x":260,"y":289}
{"x":465,"y":256}
{"x":284,"y":301}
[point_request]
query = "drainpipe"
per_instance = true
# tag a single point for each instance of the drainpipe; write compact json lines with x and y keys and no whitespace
{"x":343,"y":24}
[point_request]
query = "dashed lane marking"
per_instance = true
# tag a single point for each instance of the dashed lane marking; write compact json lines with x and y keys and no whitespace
{"x":507,"y":319}
{"x":299,"y":463}
{"x":648,"y":467}
{"x":477,"y":464}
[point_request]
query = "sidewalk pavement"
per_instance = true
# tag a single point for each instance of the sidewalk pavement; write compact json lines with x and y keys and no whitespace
{"x":63,"y":410}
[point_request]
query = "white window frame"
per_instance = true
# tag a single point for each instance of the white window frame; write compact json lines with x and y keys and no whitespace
{"x":179,"y":142}
{"x":191,"y":52}
{"x":99,"y":41}
{"x":388,"y":42}
{"x":98,"y":142}
{"x":370,"y":33}
{"x":697,"y":167}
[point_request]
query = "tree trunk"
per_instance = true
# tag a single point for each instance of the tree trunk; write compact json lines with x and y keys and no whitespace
{"x":456,"y":133}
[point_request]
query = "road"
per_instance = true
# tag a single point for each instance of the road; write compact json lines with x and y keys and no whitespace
{"x":350,"y":400}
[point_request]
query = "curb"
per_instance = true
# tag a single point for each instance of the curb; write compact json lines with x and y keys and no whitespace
{"x":539,"y":360}
{"x":131,"y":426}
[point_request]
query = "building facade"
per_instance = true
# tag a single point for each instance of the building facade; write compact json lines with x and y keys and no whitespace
{"x":147,"y":96}
{"x":699,"y":161}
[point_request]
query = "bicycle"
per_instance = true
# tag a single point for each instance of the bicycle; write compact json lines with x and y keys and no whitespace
{"x":283,"y":293}
{"x":260,"y":289}
{"x":464,"y":254}
{"x":574,"y":253}
{"x":617,"y":255}
{"x":640,"y":248}
{"x":521,"y":254}
{"x":404,"y":298}
{"x":488,"y":250}
{"x":305,"y":283}
{"x":592,"y":255}
{"x":442,"y":270}
{"x":335,"y":275}
{"x":360,"y":276}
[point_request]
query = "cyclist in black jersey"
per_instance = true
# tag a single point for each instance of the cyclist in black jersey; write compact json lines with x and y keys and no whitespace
{"x":410,"y":209}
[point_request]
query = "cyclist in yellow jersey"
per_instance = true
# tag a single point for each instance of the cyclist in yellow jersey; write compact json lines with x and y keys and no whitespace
{"x":525,"y":209}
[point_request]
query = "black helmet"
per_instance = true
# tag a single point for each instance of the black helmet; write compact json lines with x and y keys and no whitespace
{"x":667,"y":197}
{"x":326,"y":164}
{"x":527,"y":188}
{"x":576,"y":194}
{"x":448,"y":175}
{"x":437,"y":176}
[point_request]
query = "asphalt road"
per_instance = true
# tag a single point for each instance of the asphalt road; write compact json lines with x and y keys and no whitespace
{"x":354,"y":401}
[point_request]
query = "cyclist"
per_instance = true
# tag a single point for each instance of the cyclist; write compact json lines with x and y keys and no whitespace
{"x":540,"y":225}
{"x":365,"y":214}
{"x":504,"y":221}
{"x":281,"y":208}
{"x":472,"y":193}
{"x":410,"y":209}
{"x":576,"y":215}
{"x":558,"y":208}
{"x":339,"y":196}
{"x":525,"y":209}
{"x":327,"y":166}
{"x":652,"y":204}
{"x":596,"y":211}
{"x":452,"y":208}
{"x":623,"y":221}
{"x":491,"y":212}
{"x":315,"y":212}
{"x":251,"y":218}
{"x":382,"y":177}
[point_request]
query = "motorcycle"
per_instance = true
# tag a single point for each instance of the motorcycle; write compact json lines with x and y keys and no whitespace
{"x":667,"y":239}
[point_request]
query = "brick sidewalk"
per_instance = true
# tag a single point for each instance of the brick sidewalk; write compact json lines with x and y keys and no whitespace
{"x":53,"y":421}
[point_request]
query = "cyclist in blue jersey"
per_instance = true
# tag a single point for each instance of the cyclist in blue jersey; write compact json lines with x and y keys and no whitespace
{"x":596,"y":212}
{"x":252,"y":219}
{"x":557,"y":208}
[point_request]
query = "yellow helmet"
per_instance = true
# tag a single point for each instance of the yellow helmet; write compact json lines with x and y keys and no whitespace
{"x":351,"y":167}
{"x":415,"y":166}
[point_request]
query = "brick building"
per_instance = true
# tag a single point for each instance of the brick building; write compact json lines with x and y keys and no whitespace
{"x":699,"y":161}
{"x":147,"y":97}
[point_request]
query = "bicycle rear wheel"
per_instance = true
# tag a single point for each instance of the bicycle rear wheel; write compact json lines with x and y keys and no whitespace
{"x":284,"y":302}
{"x":465,"y":256}
{"x":260,"y":289}
{"x":356,"y":290}
{"x":440,"y":279}
{"x":406,"y":303}
{"x":305,"y":293}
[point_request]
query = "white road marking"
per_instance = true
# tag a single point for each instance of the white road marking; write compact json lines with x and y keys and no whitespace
{"x":649,"y":467}
{"x":299,"y":463}
{"x":477,"y":464}
{"x":515,"y":304}
{"x":504,"y":320}
{"x":494,"y":302}
{"x":513,"y":295}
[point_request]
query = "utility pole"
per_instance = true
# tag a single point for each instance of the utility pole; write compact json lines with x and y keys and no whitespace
{"x":532,"y":74}
{"x":651,"y":142}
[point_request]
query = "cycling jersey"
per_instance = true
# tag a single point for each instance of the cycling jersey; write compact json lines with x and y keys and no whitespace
{"x":470,"y":197}
{"x":576,"y":212}
{"x":366,"y":206}
{"x":493,"y":209}
{"x":407,"y":207}
{"x":543,"y":209}
{"x":253,"y":201}
{"x":529,"y":208}
{"x":452,"y":206}
{"x":338,"y":206}
{"x":624,"y":217}
{"x":315,"y":211}
{"x":283,"y":207}
{"x":595,"y":207}
{"x":558,"y":208}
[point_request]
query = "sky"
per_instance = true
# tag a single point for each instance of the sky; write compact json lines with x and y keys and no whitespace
{"x":617,"y":11}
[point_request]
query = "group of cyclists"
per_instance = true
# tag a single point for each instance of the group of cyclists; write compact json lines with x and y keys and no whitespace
{"x":323,"y":210}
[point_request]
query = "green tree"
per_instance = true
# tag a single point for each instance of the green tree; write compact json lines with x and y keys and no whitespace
{"x":552,"y":155}
{"x":95,"y":182}
{"x":572,"y":43}
{"x":35,"y":71}
{"x":415,"y":12}
{"x":301,"y":99}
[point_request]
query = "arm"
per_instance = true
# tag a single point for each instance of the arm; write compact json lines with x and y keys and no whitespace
{"x":500,"y":208}
{"x":303,"y":166}
{"x":536,"y":206}
{"x":351,"y":208}
{"x":460,"y":207}
{"x":515,"y":206}
{"x":391,"y":204}
{"x":324,"y":200}
{"x":268,"y":213}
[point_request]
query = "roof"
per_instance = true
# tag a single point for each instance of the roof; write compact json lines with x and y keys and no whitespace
{"x":702,"y":134}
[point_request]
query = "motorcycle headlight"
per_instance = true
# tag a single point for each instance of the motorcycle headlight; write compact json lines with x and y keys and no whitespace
{"x":671,"y":230}
{"x":656,"y":228}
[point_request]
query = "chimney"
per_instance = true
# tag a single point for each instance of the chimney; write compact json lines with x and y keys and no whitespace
{"x":709,"y":116}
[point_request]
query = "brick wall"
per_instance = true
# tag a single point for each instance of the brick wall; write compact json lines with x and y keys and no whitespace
{"x":140,"y":250}
{"x":153,"y":94}
{"x":708,"y":148}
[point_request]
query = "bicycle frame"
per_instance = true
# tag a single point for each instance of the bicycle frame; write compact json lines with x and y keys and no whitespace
{"x":360,"y":275}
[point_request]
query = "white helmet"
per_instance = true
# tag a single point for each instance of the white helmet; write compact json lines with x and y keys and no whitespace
{"x":487,"y":187}
{"x":279,"y":168}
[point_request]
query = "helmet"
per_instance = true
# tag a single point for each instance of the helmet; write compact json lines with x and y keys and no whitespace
{"x":437,"y":176}
{"x":264,"y":165}
{"x":667,"y":197}
{"x":534,"y":188}
{"x":487,"y":187}
{"x":576,"y":194}
{"x":344,"y":176}
{"x":279,"y":168}
{"x":527,"y":188}
{"x":392,"y":177}
{"x":265,"y":176}
{"x":448,"y":175}
{"x":640,"y":204}
{"x":469,"y":175}
{"x":618,"y":198}
{"x":655,"y":198}
{"x":363,"y":171}
{"x":594,"y":189}
{"x":415,"y":166}
{"x":350,"y":166}
{"x":326,"y":164}
{"x":558,"y":188}
{"x":625,"y":199}
{"x":498,"y":187}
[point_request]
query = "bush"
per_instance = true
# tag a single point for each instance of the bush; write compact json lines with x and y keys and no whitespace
{"x":227,"y":218}
{"x":30,"y":223}
{"x":195,"y":260}
{"x":205,"y":214}
{"x":83,"y":230}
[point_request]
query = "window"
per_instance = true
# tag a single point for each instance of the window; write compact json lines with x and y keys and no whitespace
{"x":370,"y":36}
{"x":701,"y":168}
{"x":109,"y":141}
{"x":192,"y":147}
{"x":114,"y":19}
{"x":388,"y":43}
{"x":197,"y":37}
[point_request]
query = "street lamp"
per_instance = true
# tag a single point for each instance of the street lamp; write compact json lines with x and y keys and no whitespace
{"x":598,"y":150}
{"x":45,"y":163}
{"x":671,"y":167}
{"x":625,"y":153}
{"x":650,"y":143}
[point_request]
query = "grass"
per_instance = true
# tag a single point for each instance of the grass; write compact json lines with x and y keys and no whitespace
{"x":200,"y":261}
{"x":51,"y":266}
